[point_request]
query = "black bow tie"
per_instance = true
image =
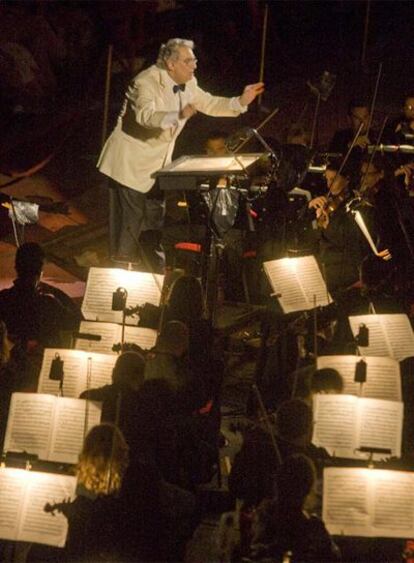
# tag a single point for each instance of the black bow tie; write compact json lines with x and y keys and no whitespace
{"x":177,"y":87}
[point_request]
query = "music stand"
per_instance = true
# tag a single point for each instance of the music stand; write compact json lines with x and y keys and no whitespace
{"x":192,"y":171}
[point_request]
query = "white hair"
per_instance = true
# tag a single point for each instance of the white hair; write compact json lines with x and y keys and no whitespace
{"x":170,"y":50}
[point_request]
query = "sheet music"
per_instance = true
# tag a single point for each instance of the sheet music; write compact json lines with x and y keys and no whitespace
{"x":389,"y":335}
{"x":50,"y":427}
{"x":75,"y":368}
{"x":143,"y":337}
{"x":380,"y":425}
{"x":101,"y":373}
{"x":311,"y":280}
{"x":368,"y":502}
{"x":142,"y":287}
{"x":107,"y":331}
{"x":383,"y":376}
{"x":11,"y":500}
{"x":23,"y":495}
{"x":111,"y":334}
{"x":69,"y":429}
{"x":345,"y":501}
{"x":393,"y":504}
{"x":299,"y":283}
{"x":333,"y":424}
{"x":29,"y":423}
{"x":344,"y":423}
{"x":400,"y":335}
{"x":284,"y":283}
{"x":212,"y":164}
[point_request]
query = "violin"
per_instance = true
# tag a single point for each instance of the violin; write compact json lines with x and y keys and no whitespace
{"x":333,"y":203}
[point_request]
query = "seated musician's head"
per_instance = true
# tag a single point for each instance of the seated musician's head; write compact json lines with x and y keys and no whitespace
{"x":326,"y":381}
{"x":337,"y":176}
{"x":358,"y":112}
{"x":128,"y":372}
{"x":185,"y":301}
{"x":294,"y":422}
{"x":215,"y":143}
{"x":29,"y":262}
{"x":103,"y":460}
{"x":297,"y":135}
{"x":372,"y":171}
{"x":409,"y":108}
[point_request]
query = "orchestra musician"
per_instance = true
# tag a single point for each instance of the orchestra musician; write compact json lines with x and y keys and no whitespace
{"x":340,"y":245}
{"x":157,"y":105}
{"x":358,"y":112}
{"x":401,"y":132}
{"x":380,"y":187}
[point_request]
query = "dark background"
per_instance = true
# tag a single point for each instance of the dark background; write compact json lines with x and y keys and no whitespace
{"x":303,"y":39}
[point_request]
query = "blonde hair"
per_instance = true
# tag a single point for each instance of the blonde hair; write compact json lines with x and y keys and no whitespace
{"x":103,"y":460}
{"x":170,"y":50}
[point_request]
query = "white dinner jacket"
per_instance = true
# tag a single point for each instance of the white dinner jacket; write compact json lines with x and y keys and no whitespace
{"x":148,"y":126}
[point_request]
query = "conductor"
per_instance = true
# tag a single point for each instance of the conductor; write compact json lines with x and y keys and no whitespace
{"x":158,"y":103}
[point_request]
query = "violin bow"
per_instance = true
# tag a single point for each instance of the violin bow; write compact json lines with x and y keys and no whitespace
{"x":374,"y":98}
{"x":345,"y":159}
{"x":267,"y":423}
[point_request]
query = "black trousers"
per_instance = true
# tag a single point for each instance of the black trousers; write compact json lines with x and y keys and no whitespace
{"x":135,"y":223}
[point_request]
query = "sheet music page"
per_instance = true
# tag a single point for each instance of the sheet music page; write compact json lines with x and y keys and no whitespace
{"x":335,"y":424}
{"x":111,"y":333}
{"x":72,"y":418}
{"x":282,"y":277}
{"x":214,"y":163}
{"x":380,"y":426}
{"x":393,"y":504}
{"x":101,"y":370}
{"x":311,"y":281}
{"x":74,"y":369}
{"x":368,"y":502}
{"x":400,"y":335}
{"x":37,"y":525}
{"x":109,"y":336}
{"x":12,"y":491}
{"x":102,"y":282}
{"x":30,"y":423}
{"x":346,"y":501}
{"x":383,"y":376}
{"x":378,"y":341}
{"x":143,"y":337}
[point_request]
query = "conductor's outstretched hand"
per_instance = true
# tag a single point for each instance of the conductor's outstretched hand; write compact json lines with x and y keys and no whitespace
{"x":250,"y":92}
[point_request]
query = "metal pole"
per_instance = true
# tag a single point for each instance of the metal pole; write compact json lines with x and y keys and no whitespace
{"x":107,"y":93}
{"x":366,"y":29}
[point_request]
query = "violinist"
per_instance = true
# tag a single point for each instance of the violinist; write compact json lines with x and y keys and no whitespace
{"x":358,"y":112}
{"x":380,"y":189}
{"x":340,"y":245}
{"x":401,"y":131}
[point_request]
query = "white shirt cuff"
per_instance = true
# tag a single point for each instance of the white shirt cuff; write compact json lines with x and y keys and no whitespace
{"x":235,"y":105}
